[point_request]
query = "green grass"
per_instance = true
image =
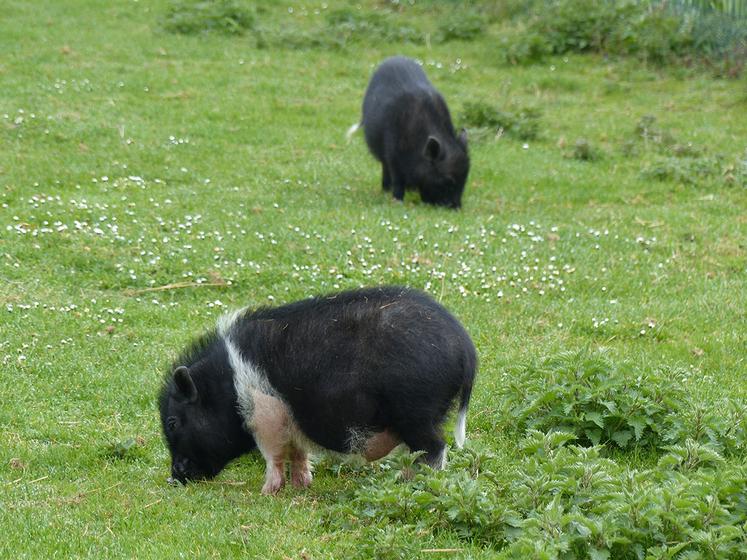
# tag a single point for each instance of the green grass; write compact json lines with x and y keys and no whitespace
{"x":133,"y":158}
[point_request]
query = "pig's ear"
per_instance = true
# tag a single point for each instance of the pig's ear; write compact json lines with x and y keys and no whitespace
{"x":463,"y":137}
{"x":185,"y":384}
{"x":432,"y":148}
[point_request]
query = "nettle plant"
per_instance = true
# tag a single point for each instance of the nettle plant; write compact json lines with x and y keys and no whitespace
{"x":722,"y":424}
{"x":600,"y":402}
{"x":574,"y":503}
{"x":595,"y":400}
{"x":557,"y":500}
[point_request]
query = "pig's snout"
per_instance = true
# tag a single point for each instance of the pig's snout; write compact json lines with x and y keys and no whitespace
{"x":184,"y":470}
{"x":454,"y":204}
{"x":181,"y":471}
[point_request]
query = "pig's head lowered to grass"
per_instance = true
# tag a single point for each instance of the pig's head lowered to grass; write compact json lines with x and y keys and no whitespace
{"x":201,"y":423}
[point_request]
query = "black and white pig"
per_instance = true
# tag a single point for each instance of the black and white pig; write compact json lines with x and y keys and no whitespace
{"x":408,"y":128}
{"x":354,"y":372}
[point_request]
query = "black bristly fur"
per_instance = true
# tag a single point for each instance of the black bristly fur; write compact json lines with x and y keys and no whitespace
{"x":408,"y":128}
{"x":366,"y":360}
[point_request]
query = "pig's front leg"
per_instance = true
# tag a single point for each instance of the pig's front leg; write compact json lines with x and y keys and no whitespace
{"x":392,"y":173}
{"x":269,"y":425}
{"x":300,"y":467}
{"x":386,"y":179}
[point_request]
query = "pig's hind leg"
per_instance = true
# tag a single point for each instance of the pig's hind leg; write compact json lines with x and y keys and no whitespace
{"x":427,"y":438}
{"x":386,"y":179}
{"x":394,"y":177}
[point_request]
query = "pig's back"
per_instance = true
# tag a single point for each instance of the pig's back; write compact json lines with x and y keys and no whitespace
{"x":393,"y":77}
{"x":401,"y":103}
{"x":359,"y":359}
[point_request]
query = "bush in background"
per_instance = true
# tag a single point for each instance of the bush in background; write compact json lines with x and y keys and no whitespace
{"x":347,"y":25}
{"x":461,"y":26}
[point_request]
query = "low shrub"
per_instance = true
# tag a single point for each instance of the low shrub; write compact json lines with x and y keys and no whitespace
{"x":192,"y":17}
{"x":647,"y":130}
{"x":722,"y":425}
{"x":385,"y":542}
{"x":599,"y":402}
{"x":524,"y":46}
{"x":347,"y":25}
{"x":583,"y":150}
{"x":522,"y":123}
{"x":684,"y":170}
{"x":461,"y":26}
{"x":655,"y":35}
{"x":682,"y":162}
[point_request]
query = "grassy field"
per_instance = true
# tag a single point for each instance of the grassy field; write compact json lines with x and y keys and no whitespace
{"x":151,"y":180}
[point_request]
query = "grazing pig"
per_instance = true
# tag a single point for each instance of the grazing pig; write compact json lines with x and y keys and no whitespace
{"x":408,"y":129}
{"x":354,"y":372}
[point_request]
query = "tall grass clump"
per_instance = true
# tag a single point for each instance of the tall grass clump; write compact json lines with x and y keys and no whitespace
{"x":521,"y":123}
{"x":655,"y":32}
{"x":683,"y":162}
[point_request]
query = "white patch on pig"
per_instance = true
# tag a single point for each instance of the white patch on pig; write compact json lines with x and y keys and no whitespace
{"x":357,"y":439}
{"x":247,"y":377}
{"x":352,"y":130}
{"x":460,"y":428}
{"x":440,"y":463}
{"x":228,"y":320}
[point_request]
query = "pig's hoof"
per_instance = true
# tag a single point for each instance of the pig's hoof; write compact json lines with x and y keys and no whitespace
{"x":272,"y":487}
{"x":302,"y":479}
{"x":273,"y":484}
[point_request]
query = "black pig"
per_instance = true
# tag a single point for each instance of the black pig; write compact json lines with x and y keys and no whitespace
{"x":408,"y":128}
{"x":354,"y":372}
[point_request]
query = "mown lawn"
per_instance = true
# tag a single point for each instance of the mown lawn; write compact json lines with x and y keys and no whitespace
{"x":152,"y":180}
